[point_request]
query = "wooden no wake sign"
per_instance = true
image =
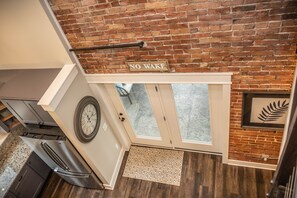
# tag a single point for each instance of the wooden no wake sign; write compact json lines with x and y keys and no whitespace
{"x":148,"y":66}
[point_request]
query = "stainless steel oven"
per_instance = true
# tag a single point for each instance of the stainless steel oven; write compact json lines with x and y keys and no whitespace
{"x":51,"y":145}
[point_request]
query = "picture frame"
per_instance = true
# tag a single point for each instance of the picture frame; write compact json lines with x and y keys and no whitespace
{"x":264,"y":110}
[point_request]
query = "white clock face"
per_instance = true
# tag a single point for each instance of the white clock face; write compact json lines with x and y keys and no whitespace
{"x":89,"y":119}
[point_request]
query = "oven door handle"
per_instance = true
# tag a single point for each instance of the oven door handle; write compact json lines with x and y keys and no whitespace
{"x":76,"y":175}
{"x":54,"y":156}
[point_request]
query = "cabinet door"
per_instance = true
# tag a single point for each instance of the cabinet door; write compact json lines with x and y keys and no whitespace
{"x":10,"y":195}
{"x":39,"y":165}
{"x":20,"y":110}
{"x":43,"y":115}
{"x":28,"y":183}
{"x":19,"y":179}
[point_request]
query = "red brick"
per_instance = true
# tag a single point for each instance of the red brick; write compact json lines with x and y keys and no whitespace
{"x":244,"y":8}
{"x":254,"y":39}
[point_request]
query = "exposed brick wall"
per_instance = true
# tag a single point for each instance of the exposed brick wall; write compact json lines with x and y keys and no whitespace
{"x":255,"y":39}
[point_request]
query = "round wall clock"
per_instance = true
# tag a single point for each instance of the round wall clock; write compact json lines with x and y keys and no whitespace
{"x":87,"y":119}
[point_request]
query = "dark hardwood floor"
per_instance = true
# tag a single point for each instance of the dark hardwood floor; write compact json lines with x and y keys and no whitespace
{"x":203,"y":176}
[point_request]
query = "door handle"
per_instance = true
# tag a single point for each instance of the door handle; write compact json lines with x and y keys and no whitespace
{"x":121,"y":118}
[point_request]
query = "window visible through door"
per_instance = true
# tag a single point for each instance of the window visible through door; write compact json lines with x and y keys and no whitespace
{"x":138,"y":108}
{"x":192,"y":106}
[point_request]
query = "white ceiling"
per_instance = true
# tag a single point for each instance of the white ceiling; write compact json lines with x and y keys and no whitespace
{"x":27,"y":38}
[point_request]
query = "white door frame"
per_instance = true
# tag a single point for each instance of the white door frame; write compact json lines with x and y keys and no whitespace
{"x":214,"y":100}
{"x":223,"y":79}
{"x":164,"y":139}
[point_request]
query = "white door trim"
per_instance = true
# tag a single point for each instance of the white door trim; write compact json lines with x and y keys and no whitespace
{"x":160,"y":78}
{"x":226,"y":120}
{"x":251,"y":164}
{"x":165,"y":78}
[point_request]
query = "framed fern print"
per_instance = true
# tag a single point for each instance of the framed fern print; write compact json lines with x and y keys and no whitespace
{"x":265,"y":110}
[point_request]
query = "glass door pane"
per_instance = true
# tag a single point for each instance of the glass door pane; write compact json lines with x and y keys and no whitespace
{"x":192,"y":108}
{"x":138,"y":108}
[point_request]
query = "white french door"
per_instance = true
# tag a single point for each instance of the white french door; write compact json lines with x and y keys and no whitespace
{"x":140,"y":111}
{"x":194,"y":112}
{"x":183,"y":115}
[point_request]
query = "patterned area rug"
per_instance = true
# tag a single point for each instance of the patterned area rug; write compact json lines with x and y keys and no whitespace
{"x":156,"y":165}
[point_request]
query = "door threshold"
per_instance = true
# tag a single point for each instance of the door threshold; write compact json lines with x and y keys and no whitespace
{"x":198,"y":151}
{"x":153,"y":146}
{"x":176,"y":148}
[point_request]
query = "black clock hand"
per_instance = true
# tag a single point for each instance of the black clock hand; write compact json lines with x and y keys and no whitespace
{"x":92,"y":115}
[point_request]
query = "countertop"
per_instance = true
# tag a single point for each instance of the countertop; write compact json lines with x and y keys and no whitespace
{"x":13,"y":155}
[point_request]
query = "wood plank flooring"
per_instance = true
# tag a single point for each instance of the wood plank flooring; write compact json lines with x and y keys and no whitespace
{"x":203,"y":176}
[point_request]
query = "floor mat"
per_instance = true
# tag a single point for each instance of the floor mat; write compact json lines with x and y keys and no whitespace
{"x":156,"y":165}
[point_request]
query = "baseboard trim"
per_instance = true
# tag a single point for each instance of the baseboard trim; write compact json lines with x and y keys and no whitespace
{"x":108,"y":187}
{"x":251,"y":164}
{"x":116,"y":171}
